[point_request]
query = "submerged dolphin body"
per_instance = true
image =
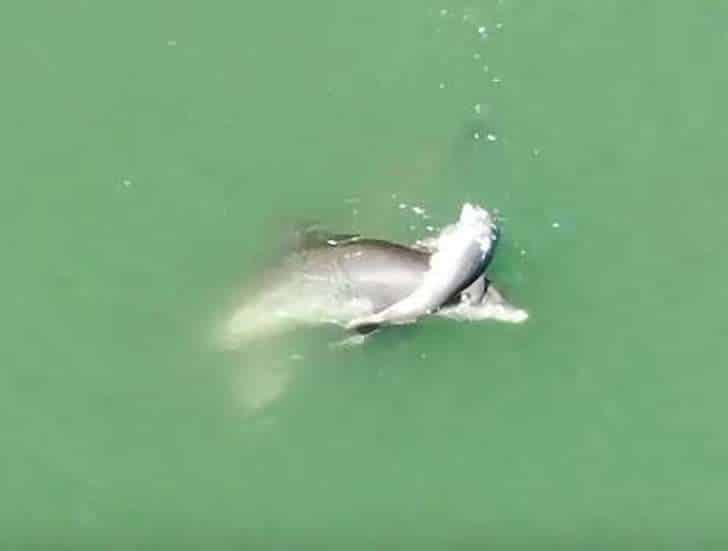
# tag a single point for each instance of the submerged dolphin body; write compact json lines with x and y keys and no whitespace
{"x":362,"y":284}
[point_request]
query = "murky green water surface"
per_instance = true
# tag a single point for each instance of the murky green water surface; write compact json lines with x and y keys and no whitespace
{"x":151,"y":152}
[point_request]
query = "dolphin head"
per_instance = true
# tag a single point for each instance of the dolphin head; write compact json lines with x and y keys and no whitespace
{"x":493,"y":305}
{"x":482,"y":301}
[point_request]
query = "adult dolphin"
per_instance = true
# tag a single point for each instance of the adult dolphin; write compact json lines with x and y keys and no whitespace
{"x":362,"y":284}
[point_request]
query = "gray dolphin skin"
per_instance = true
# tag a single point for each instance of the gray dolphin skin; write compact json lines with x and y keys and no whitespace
{"x":363,"y":284}
{"x":385,"y":273}
{"x":382,"y":271}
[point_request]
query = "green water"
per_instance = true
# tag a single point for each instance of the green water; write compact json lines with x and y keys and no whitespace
{"x":151,"y":151}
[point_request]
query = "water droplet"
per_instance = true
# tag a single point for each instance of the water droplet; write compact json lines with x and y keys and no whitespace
{"x":555,"y":225}
{"x":491,"y":137}
{"x":442,"y":85}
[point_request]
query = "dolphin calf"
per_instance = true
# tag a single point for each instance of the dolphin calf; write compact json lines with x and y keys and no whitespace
{"x":363,"y":284}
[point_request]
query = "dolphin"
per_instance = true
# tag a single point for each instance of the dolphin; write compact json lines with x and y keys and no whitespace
{"x":363,"y":284}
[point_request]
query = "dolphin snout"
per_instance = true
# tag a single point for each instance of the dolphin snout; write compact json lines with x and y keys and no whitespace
{"x":498,"y":308}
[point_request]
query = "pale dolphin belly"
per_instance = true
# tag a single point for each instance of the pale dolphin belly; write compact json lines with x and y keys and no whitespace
{"x":459,"y":257}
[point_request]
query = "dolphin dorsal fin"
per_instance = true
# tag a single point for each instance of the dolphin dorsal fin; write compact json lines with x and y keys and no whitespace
{"x":313,"y":236}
